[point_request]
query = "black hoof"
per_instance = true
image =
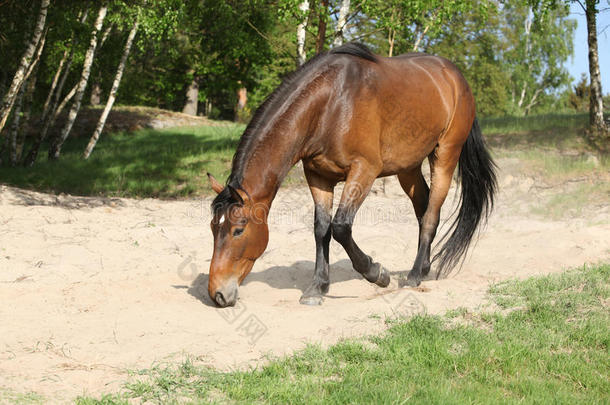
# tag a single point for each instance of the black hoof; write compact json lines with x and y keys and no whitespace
{"x":383,"y":280}
{"x":311,"y":300}
{"x":410,"y":281}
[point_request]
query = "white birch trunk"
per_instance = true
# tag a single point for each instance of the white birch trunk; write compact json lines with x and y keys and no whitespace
{"x":54,"y":83}
{"x":113,"y":91}
{"x":24,"y":65}
{"x":49,"y":108}
{"x":54,"y":110}
{"x":341,"y":23}
{"x":528,"y":45}
{"x":301,"y":31}
{"x":11,"y":140}
{"x":25,"y":116}
{"x":55,"y":148}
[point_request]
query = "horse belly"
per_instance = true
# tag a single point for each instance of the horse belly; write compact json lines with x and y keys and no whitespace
{"x":407,"y":144}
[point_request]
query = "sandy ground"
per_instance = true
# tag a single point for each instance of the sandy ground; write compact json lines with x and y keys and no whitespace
{"x":93,"y":287}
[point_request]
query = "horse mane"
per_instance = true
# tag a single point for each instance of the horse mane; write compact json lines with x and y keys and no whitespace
{"x":355,"y":49}
{"x":272,"y":103}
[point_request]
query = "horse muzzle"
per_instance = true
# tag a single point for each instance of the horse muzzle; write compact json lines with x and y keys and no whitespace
{"x":227,"y":296}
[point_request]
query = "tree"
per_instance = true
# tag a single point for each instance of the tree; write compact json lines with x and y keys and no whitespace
{"x":596,"y":104}
{"x":599,"y":130}
{"x":56,"y":145}
{"x":408,"y":22}
{"x":113,"y":91}
{"x":535,"y":54}
{"x":580,"y":95}
{"x":24,"y":68}
{"x":192,"y":95}
{"x":301,"y":32}
{"x":341,"y":23}
{"x":473,"y":40}
{"x":322,"y":22}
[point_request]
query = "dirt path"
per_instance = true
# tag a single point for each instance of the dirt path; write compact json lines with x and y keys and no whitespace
{"x":91,"y":287}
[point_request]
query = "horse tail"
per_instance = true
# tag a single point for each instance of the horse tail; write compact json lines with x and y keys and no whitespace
{"x":477,"y":176}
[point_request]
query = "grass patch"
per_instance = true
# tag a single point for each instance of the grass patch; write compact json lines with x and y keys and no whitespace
{"x":555,"y":131}
{"x":573,"y":202}
{"x":30,"y":398}
{"x":551,"y":347}
{"x":146,"y":163}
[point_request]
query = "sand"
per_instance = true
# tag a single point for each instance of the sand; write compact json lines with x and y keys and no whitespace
{"x":93,"y":287}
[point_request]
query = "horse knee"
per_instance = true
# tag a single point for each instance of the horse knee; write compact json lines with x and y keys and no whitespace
{"x":342,"y":232}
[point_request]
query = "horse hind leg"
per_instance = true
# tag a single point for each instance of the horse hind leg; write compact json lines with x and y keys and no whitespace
{"x":322,"y":193}
{"x":415,"y":186}
{"x":357,"y":186}
{"x":442,"y":165}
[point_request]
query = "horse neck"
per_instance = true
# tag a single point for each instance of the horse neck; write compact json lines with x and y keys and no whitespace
{"x":271,"y":161}
{"x":279,"y":145}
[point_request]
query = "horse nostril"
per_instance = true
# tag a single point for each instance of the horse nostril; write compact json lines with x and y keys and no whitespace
{"x":220,"y":299}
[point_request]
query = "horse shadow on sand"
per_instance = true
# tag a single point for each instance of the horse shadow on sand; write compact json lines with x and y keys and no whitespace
{"x":296,"y":276}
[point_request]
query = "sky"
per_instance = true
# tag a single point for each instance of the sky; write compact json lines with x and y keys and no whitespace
{"x":579,"y":63}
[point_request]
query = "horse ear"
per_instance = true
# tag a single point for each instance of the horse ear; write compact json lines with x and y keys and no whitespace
{"x":216,"y":186}
{"x":236,"y":195}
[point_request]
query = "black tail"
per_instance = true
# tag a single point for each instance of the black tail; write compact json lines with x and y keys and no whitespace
{"x":477,"y":175}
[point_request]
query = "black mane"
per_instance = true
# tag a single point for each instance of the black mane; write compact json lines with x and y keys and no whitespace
{"x":355,"y":49}
{"x":271,"y":104}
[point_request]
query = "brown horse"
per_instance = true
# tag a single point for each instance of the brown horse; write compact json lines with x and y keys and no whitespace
{"x":353,"y":116}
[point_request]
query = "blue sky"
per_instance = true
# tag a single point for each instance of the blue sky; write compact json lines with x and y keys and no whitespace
{"x":579,"y":63}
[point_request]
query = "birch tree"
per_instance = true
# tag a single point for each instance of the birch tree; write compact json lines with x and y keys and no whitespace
{"x":25,"y":64}
{"x":56,"y":145}
{"x":535,"y":53}
{"x":409,"y":22}
{"x":113,"y":91}
{"x":341,"y":23}
{"x":301,"y":33}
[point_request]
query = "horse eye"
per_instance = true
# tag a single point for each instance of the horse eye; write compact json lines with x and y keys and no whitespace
{"x":238,"y":231}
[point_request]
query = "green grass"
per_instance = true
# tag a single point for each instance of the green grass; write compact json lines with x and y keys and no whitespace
{"x":553,"y":167}
{"x":548,"y":343}
{"x":573,"y":202}
{"x":146,"y":163}
{"x":551,"y":149}
{"x":554,"y":131}
{"x":9,"y":396}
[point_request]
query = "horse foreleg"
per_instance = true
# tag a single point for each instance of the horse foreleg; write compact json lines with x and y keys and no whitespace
{"x":357,"y":185}
{"x":322,"y":193}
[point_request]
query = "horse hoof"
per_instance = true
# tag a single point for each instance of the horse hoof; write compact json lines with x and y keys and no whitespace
{"x":312,"y":300}
{"x":409,"y":282}
{"x":384,"y":277}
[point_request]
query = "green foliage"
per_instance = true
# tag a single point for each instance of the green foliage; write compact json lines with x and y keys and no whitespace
{"x":536,"y":54}
{"x":225,"y":45}
{"x":550,"y":346}
{"x":412,"y":19}
{"x":472,"y":41}
{"x":579,"y":96}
